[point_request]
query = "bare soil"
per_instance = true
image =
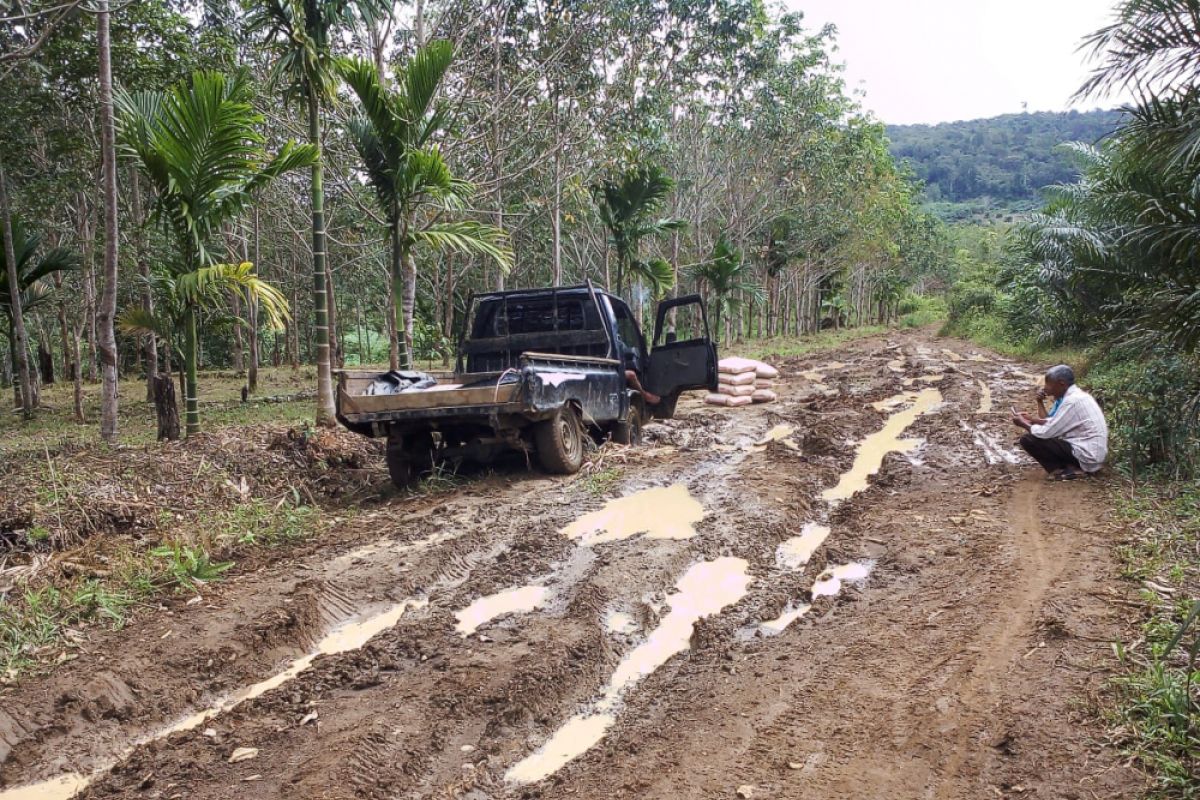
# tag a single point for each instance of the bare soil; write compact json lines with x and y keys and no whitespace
{"x":965,"y":665}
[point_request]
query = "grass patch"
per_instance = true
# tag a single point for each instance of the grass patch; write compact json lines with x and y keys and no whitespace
{"x":989,"y":331}
{"x":1156,"y":713}
{"x":790,"y":346}
{"x":602,"y":481}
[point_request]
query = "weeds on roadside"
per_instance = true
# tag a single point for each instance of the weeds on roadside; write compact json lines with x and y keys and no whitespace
{"x":1157,"y":713}
{"x":602,"y":481}
{"x":187,"y":565}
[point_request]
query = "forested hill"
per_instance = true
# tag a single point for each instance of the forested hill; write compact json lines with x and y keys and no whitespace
{"x":1005,"y":160}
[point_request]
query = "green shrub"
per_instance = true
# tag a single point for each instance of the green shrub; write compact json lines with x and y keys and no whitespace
{"x":1149,"y":402}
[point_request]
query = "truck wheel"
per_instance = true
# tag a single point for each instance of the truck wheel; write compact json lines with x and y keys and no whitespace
{"x":407,"y":460}
{"x":559,"y":442}
{"x":629,"y":431}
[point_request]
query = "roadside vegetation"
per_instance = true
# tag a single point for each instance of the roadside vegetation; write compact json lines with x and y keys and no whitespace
{"x":1105,"y":277}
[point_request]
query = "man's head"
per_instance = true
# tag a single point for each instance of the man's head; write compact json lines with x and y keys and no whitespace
{"x":1059,"y":379}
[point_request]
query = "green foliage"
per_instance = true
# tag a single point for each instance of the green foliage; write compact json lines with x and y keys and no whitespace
{"x":919,"y":311}
{"x":1157,"y":713}
{"x":186,"y":565}
{"x":726,"y":280}
{"x":1148,"y":402}
{"x":629,"y":203}
{"x":1004,"y":162}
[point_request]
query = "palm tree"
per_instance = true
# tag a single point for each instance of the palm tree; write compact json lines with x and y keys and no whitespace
{"x":394,"y":135}
{"x":725,"y":274}
{"x":300,"y":33}
{"x":30,"y":273}
{"x":628,"y":203}
{"x":206,"y":290}
{"x":200,"y":148}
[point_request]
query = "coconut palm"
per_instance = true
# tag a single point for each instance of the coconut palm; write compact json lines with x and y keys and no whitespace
{"x":300,"y":32}
{"x":628,"y":203}
{"x":725,"y":277}
{"x":198,"y":144}
{"x":31,"y":272}
{"x":394,"y":134}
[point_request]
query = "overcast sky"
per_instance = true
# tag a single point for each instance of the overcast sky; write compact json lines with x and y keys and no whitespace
{"x":942,"y":60}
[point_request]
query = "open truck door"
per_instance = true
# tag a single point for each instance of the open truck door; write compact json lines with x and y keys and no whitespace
{"x":684,"y":356}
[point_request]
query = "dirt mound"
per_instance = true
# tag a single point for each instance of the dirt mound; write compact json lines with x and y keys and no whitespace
{"x":57,"y":499}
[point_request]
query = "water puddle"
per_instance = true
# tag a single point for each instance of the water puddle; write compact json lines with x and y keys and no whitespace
{"x":993,"y":451}
{"x":985,"y":398}
{"x":668,"y":512}
{"x":345,"y":638}
{"x":781,"y":434}
{"x":794,"y":553}
{"x":780,"y":624}
{"x":872,"y":450}
{"x":829,"y":582}
{"x":619,"y":622}
{"x":705,"y":589}
{"x":520,"y":600}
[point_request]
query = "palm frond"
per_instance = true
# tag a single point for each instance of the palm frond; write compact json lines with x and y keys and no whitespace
{"x":470,"y":238}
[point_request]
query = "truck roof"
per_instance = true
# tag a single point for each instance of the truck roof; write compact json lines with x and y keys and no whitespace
{"x":511,"y":294}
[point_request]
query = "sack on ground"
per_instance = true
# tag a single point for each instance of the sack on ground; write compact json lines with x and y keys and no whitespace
{"x":742,"y":379}
{"x":736,"y":391}
{"x":764,"y":396}
{"x":763,"y":383}
{"x":766,"y":371}
{"x":736,"y":366}
{"x":728,"y":400}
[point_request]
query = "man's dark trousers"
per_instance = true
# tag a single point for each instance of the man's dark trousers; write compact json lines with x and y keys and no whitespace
{"x":1052,"y":454}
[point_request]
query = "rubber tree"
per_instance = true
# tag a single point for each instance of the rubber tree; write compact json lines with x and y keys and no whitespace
{"x":394,"y":134}
{"x":300,"y":32}
{"x":200,"y":147}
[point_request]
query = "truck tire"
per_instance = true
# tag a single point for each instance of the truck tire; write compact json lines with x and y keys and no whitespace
{"x":407,"y":460}
{"x":630,"y":431}
{"x":559,"y":442}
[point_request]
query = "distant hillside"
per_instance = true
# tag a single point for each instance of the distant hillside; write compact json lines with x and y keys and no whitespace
{"x":999,"y":162}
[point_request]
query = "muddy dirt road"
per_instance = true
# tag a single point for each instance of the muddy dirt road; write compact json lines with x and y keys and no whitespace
{"x":858,"y":592}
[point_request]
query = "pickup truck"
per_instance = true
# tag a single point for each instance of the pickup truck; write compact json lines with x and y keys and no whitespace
{"x":536,"y":371}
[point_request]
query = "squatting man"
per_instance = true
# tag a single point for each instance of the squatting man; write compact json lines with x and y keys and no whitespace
{"x":1071,"y":439}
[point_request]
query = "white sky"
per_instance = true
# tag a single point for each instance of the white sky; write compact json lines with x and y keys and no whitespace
{"x":941,"y":60}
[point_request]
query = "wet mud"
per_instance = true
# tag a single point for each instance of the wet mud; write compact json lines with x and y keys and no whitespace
{"x":862,"y":590}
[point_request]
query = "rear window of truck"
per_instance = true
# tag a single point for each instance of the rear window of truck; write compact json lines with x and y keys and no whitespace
{"x":540,"y":315}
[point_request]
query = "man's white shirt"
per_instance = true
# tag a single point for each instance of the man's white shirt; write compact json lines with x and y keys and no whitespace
{"x":1080,"y":423}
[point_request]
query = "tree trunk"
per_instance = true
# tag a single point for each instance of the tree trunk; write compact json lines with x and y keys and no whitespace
{"x":149,"y":343}
{"x":107,"y":313}
{"x":45,"y":363}
{"x":77,"y":377}
{"x":190,"y":391}
{"x":239,"y":340}
{"x":337,"y":355}
{"x":18,"y":337}
{"x":400,"y":259}
{"x":165,"y":407}
{"x":252,"y":318}
{"x":393,"y":312}
{"x":325,"y":410}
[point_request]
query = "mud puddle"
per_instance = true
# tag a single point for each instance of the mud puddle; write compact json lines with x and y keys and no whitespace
{"x":522,"y":600}
{"x":705,"y":589}
{"x":659,"y":513}
{"x":872,"y":450}
{"x":349,"y":636}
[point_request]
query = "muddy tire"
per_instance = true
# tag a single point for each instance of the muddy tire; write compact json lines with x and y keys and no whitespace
{"x":407,"y":460}
{"x":630,"y":431}
{"x":559,"y":442}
